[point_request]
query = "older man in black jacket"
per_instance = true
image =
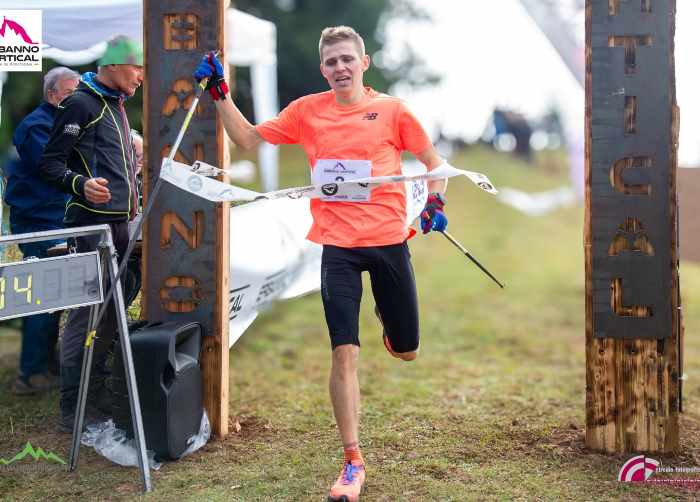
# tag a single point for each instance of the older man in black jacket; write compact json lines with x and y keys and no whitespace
{"x":91,"y":157}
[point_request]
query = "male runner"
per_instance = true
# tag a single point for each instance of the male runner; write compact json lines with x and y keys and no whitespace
{"x":351,"y":123}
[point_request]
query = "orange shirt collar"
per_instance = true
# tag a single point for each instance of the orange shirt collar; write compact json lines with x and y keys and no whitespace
{"x":368,"y":92}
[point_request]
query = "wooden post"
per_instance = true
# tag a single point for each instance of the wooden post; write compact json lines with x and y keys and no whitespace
{"x":633,"y":323}
{"x":186,"y":239}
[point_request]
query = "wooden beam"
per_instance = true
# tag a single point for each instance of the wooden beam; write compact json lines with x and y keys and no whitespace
{"x":633,"y":324}
{"x":186,"y":239}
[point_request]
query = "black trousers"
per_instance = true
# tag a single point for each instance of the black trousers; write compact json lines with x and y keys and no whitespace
{"x":73,"y":337}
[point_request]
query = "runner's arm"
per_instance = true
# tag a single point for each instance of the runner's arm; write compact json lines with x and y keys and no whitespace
{"x":242,"y":132}
{"x":237,"y":127}
{"x":431,"y":159}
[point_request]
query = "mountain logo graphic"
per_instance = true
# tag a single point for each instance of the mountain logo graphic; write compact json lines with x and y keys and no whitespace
{"x":638,"y":469}
{"x":20,"y":40}
{"x":17,"y":28}
{"x":37,"y":454}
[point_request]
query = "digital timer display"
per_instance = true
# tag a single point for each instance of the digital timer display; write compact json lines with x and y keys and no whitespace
{"x":43,"y":285}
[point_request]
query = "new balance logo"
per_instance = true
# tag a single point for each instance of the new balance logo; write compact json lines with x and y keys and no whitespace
{"x":370,"y":116}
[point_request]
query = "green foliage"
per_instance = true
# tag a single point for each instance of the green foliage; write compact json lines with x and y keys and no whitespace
{"x":21,"y":93}
{"x":299,"y":24}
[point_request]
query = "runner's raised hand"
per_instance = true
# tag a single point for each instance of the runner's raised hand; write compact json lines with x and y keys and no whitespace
{"x":211,"y":69}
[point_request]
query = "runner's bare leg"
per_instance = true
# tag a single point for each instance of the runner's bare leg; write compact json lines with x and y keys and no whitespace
{"x":344,"y":388}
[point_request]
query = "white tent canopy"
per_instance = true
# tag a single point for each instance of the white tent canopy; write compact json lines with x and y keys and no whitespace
{"x":75,"y":32}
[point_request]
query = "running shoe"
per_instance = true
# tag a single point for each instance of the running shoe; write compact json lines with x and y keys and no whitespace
{"x":349,"y":484}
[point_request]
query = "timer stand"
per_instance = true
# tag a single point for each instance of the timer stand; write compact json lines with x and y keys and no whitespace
{"x":36,"y":285}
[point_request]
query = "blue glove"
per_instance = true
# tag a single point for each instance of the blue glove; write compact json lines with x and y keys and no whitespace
{"x":210,"y":68}
{"x":432,"y":217}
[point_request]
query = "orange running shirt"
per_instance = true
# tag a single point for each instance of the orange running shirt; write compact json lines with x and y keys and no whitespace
{"x":377,"y":129}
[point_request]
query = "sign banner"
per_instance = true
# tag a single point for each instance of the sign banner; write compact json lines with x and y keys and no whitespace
{"x":271,"y":259}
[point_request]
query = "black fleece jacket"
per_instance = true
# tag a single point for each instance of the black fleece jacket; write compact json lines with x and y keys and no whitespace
{"x":91,"y":139}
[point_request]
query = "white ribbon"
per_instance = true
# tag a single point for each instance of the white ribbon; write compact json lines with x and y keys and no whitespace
{"x":185,"y":177}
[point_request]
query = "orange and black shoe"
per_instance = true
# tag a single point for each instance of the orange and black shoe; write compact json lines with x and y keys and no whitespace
{"x":387,"y":345}
{"x":349,"y":484}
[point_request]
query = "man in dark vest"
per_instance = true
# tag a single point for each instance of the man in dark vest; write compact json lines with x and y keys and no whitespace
{"x":90,"y":156}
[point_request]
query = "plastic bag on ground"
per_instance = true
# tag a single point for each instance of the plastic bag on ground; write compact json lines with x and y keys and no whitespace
{"x":112,"y":443}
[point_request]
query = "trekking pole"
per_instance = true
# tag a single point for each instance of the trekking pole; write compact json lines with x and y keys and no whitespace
{"x":152,"y":196}
{"x":468,"y":255}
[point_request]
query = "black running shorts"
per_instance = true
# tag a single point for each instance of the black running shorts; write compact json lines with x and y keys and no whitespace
{"x":393,"y":287}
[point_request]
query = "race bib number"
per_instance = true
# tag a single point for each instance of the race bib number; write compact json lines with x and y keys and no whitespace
{"x":328,"y":172}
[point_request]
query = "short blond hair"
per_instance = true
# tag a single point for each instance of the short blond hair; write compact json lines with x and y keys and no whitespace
{"x":334,"y":34}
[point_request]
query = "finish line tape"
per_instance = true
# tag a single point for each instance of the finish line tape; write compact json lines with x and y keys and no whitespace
{"x":187,"y":178}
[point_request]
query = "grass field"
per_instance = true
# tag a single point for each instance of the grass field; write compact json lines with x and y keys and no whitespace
{"x":493,"y":409}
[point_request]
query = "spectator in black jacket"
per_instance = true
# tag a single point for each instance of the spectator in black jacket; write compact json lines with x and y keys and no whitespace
{"x":90,"y":156}
{"x":36,"y":206}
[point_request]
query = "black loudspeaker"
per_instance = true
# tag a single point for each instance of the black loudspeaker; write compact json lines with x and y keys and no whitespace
{"x":169,"y":380}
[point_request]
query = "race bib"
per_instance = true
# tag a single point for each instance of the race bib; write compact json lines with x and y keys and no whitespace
{"x":329,"y":172}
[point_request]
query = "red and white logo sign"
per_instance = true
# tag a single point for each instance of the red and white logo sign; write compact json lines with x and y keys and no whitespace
{"x":20,"y":40}
{"x":638,"y":469}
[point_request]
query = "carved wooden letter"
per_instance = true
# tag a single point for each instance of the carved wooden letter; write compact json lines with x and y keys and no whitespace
{"x":618,"y":169}
{"x":180,"y":97}
{"x":192,"y":236}
{"x":630,"y":43}
{"x":180,"y":31}
{"x":175,"y":305}
{"x":631,"y":236}
{"x":622,"y":310}
{"x":614,"y":6}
